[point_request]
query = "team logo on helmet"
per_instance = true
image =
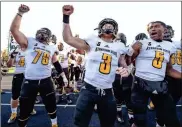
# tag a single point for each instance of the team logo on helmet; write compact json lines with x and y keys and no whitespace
{"x":102,"y":30}
{"x":44,"y":35}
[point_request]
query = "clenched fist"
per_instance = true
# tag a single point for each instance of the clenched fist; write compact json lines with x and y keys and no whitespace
{"x":122,"y":71}
{"x":68,"y":9}
{"x":137,"y":45}
{"x":23,"y":9}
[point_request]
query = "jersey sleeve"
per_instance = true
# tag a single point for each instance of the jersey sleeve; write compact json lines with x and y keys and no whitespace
{"x":91,"y":41}
{"x":54,"y":50}
{"x":123,"y":50}
{"x":129,"y":51}
{"x":31,"y":42}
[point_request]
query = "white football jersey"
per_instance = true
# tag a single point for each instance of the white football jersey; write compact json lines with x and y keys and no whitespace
{"x":38,"y":60}
{"x":102,"y":62}
{"x":63,"y":58}
{"x":85,"y":59}
{"x":153,"y":58}
{"x":19,"y":62}
{"x":177,"y":57}
{"x":76,"y":60}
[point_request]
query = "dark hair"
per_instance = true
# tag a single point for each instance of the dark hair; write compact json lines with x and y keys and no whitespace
{"x":162,"y":23}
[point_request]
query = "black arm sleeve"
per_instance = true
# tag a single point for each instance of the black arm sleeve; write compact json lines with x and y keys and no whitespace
{"x":58,"y":67}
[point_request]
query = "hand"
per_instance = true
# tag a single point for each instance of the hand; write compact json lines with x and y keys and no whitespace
{"x":65,"y":82}
{"x":122,"y":71}
{"x":14,"y":53}
{"x":67,"y":9}
{"x":137,"y":45}
{"x":23,"y":9}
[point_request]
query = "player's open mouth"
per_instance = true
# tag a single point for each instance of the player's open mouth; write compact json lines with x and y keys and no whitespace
{"x":154,"y":33}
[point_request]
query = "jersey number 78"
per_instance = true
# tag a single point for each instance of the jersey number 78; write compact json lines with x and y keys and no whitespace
{"x":45,"y":57}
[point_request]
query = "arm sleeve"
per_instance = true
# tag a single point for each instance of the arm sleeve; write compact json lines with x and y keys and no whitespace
{"x":91,"y":41}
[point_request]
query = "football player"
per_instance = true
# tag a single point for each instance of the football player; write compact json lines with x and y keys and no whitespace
{"x":54,"y":39}
{"x":169,"y":33}
{"x":117,"y":87}
{"x":152,"y":63}
{"x":174,"y":85}
{"x":175,"y":90}
{"x":77,"y":72}
{"x":4,"y":71}
{"x":101,"y":66}
{"x":124,"y":88}
{"x":39,"y":57}
{"x":63,"y":60}
{"x":71,"y":62}
{"x":17,"y":58}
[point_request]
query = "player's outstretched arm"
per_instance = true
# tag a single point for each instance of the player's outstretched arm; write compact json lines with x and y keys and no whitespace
{"x":67,"y":34}
{"x":20,"y":38}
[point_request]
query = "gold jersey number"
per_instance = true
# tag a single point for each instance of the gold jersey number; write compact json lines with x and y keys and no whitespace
{"x":21,"y":62}
{"x":45,"y":57}
{"x":105,"y":67}
{"x":61,"y":58}
{"x":176,"y":58}
{"x":158,"y":60}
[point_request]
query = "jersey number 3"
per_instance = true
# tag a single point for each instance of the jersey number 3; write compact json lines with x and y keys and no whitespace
{"x":45,"y":57}
{"x":157,"y":61}
{"x":105,"y":67}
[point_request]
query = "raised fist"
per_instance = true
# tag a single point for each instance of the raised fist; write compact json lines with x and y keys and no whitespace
{"x":68,"y":9}
{"x":23,"y":9}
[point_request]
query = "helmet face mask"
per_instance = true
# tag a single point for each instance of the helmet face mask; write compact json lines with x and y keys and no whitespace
{"x":107,"y":29}
{"x":169,"y":33}
{"x":141,"y":36}
{"x":108,"y":26}
{"x":43,"y":35}
{"x":122,"y":38}
{"x":54,"y":39}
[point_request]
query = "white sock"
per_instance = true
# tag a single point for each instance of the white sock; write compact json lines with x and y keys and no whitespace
{"x":14,"y":110}
{"x":130,"y":116}
{"x":75,"y":85}
{"x":54,"y":121}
